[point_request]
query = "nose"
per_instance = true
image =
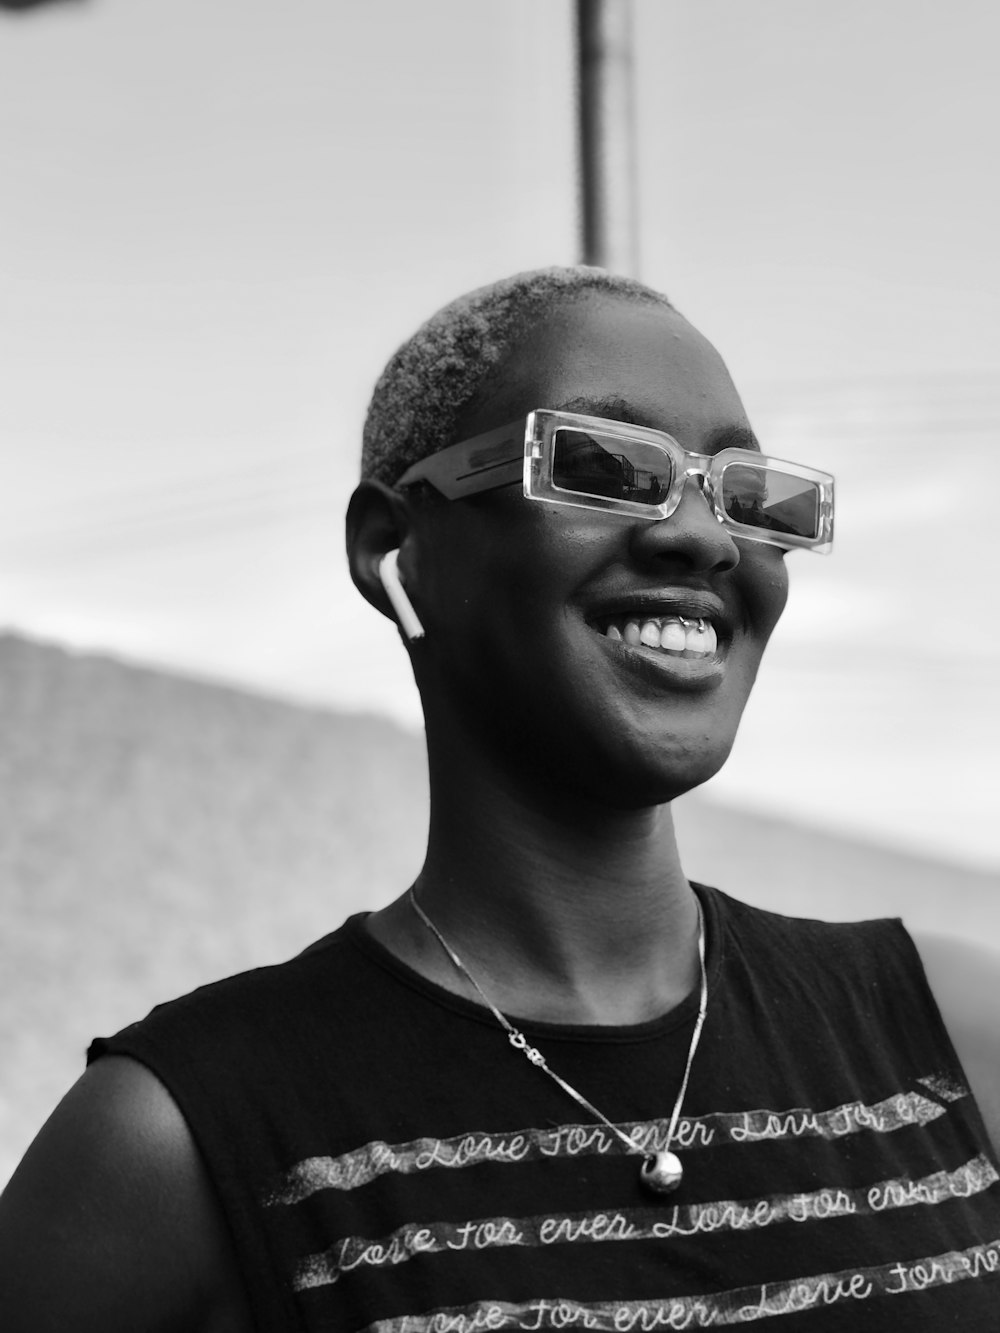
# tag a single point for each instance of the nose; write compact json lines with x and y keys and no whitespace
{"x":691,"y":535}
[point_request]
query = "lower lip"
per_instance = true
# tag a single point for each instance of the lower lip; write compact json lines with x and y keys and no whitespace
{"x":695,"y":674}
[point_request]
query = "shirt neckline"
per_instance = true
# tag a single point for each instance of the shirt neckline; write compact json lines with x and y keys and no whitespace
{"x":358,"y":936}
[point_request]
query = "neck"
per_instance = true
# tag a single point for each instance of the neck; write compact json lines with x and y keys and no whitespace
{"x":562,"y":910}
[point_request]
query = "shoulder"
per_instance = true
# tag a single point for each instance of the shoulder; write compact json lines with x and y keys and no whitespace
{"x":111,"y":1221}
{"x":335,"y":962}
{"x":846,"y":957}
{"x":873,"y":970}
{"x":965,"y":981}
{"x":257,"y":1011}
{"x":909,"y":983}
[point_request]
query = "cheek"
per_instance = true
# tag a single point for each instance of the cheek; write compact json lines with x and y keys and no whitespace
{"x":777,"y":593}
{"x":479,"y":585}
{"x":765,"y":588}
{"x":521,"y":562}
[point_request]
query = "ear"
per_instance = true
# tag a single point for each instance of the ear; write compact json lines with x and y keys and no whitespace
{"x":378,"y":521}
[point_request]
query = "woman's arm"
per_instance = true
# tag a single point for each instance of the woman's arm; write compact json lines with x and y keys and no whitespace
{"x":110,"y":1222}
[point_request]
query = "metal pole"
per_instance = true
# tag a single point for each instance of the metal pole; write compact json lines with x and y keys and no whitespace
{"x":606,"y":119}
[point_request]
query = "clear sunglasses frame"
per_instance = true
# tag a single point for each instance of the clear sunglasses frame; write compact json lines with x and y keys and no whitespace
{"x":524,"y":451}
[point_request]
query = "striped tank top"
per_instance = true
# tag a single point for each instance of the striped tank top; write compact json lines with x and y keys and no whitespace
{"x":389,"y":1164}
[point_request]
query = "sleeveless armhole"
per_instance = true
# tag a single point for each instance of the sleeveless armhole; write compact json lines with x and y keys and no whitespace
{"x":270,"y":1302}
{"x":928,"y":1023}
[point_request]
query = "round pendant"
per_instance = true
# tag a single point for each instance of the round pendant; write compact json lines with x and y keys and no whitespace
{"x":661,"y":1172}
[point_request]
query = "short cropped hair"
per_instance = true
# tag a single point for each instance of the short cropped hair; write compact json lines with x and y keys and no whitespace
{"x":415,"y":407}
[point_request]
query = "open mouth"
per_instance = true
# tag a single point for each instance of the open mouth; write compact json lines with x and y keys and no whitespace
{"x":679,"y":636}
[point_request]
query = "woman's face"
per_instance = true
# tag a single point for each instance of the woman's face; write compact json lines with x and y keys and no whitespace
{"x":517,"y":597}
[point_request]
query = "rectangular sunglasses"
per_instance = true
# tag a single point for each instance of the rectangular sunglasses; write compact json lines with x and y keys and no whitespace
{"x":592,"y":463}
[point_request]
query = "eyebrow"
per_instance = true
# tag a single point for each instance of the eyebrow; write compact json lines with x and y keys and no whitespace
{"x":733,"y":437}
{"x":620,"y":409}
{"x":614,"y":408}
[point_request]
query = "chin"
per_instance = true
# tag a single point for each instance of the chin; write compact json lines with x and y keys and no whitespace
{"x":652,"y":766}
{"x":637,"y":776}
{"x":660,"y":783}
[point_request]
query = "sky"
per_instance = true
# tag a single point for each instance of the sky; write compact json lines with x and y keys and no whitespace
{"x":218,"y":221}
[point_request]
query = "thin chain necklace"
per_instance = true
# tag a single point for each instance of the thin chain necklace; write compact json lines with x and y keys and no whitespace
{"x":661,"y":1171}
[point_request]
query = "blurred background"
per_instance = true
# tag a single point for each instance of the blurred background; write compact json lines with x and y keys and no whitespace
{"x":216,"y":224}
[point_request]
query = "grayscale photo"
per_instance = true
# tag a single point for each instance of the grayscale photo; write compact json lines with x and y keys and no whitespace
{"x":499,"y":816}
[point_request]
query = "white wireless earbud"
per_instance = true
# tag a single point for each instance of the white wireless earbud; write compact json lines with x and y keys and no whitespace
{"x":388,"y":572}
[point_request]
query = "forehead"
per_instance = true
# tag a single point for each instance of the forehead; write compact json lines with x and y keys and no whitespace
{"x":605,"y":356}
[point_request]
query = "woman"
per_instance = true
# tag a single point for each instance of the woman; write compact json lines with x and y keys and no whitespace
{"x":554,"y":1084}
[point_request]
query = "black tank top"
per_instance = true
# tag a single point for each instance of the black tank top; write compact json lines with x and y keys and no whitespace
{"x":387,"y":1161}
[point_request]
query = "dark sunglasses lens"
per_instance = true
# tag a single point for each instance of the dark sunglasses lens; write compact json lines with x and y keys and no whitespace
{"x":765,"y":497}
{"x":593,"y":464}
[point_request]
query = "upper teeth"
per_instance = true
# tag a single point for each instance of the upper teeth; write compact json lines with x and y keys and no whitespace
{"x":674,"y":634}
